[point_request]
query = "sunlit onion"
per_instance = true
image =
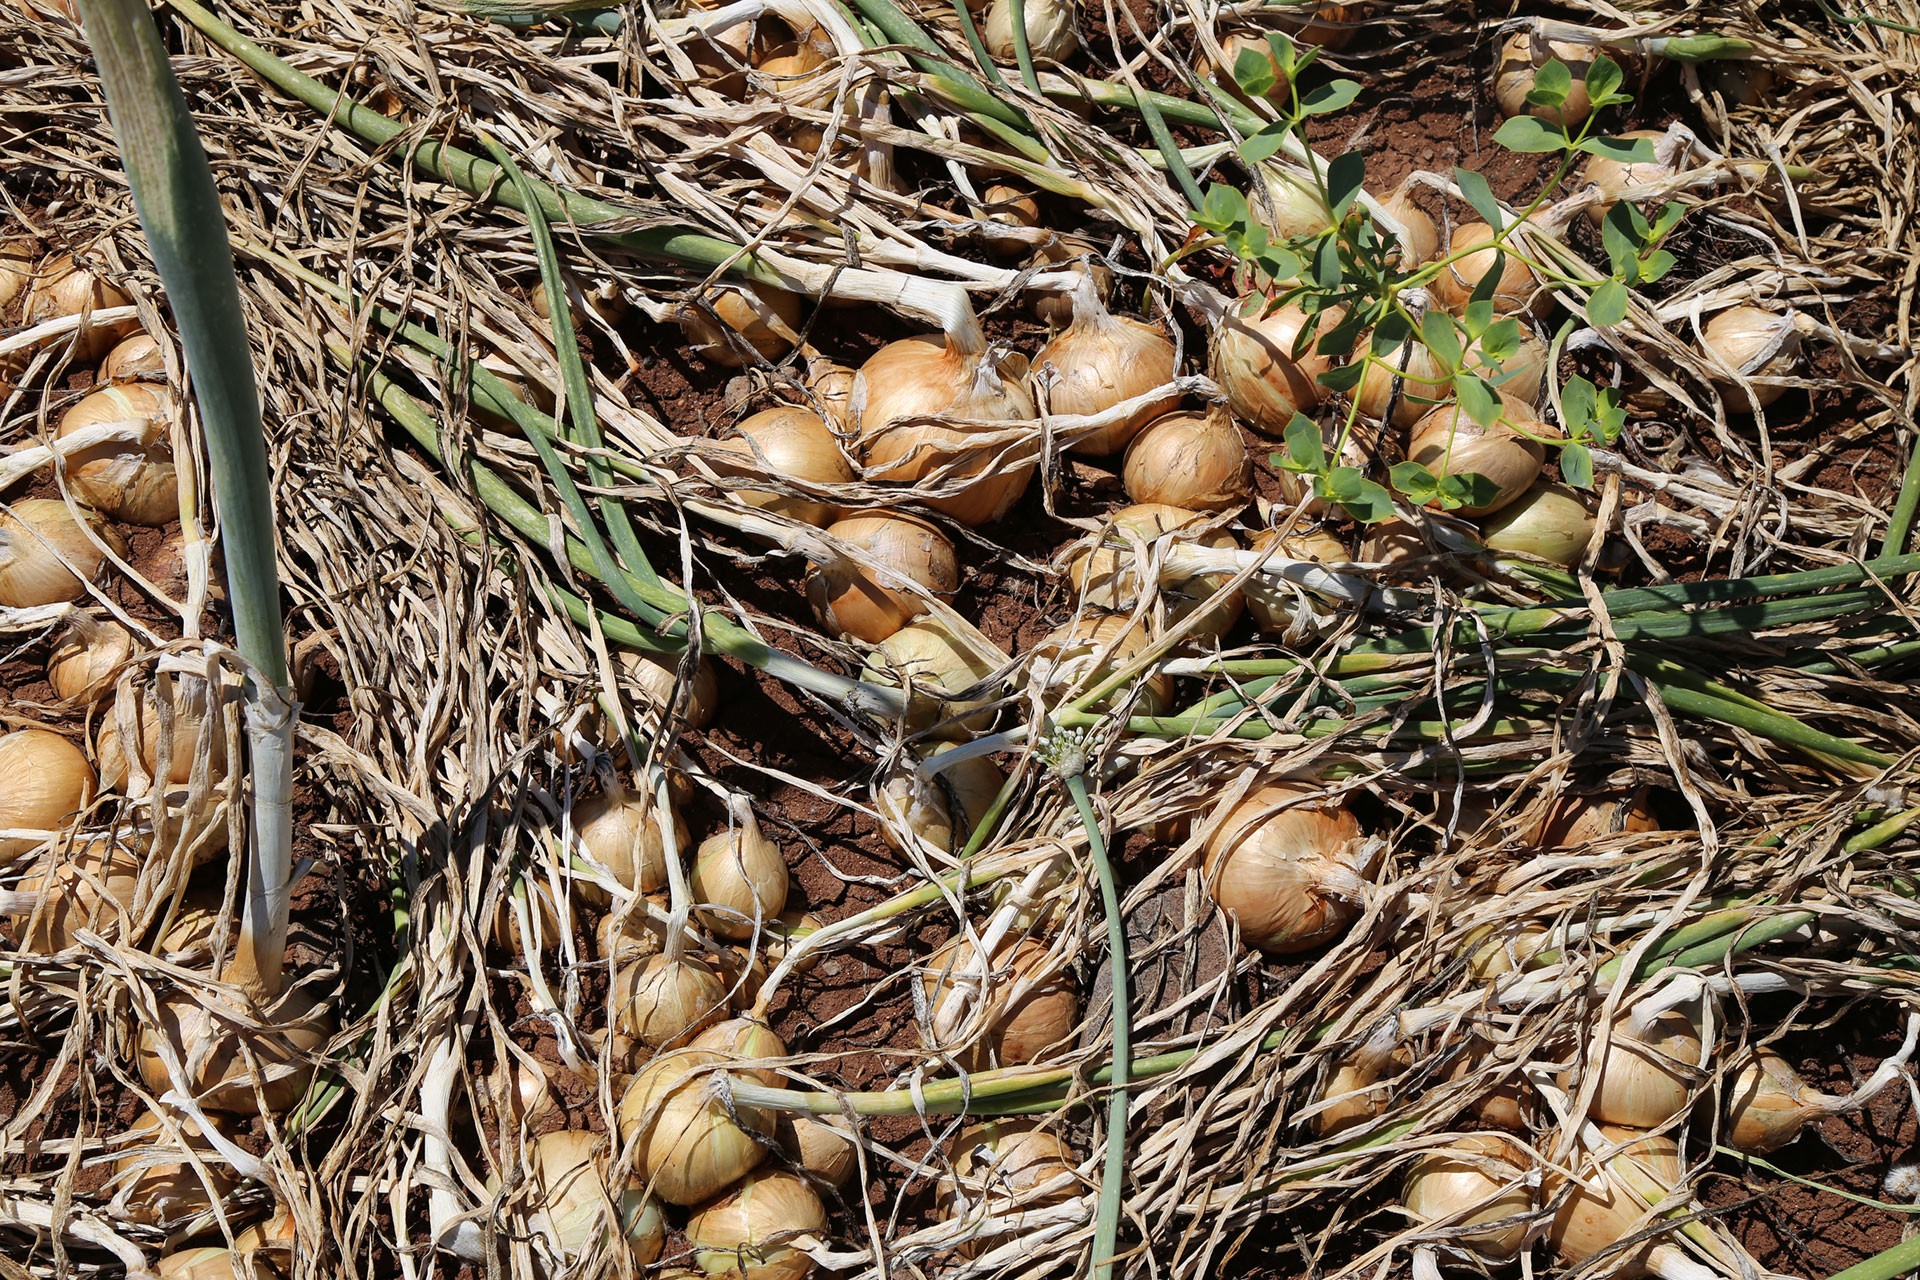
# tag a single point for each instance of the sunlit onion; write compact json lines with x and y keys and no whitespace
{"x":1198,"y":461}
{"x":1254,"y":361}
{"x":1290,"y":877}
{"x":852,"y":600}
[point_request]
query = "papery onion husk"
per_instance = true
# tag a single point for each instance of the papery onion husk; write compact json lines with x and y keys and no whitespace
{"x":190,"y":717}
{"x":1768,"y":1104}
{"x":39,"y":539}
{"x":1007,"y":206}
{"x":927,"y":658}
{"x":1100,"y":360}
{"x":1522,"y":376}
{"x":45,"y":781}
{"x":137,"y":357}
{"x":1476,"y":1180}
{"x":576,"y":1208}
{"x":1522,"y":55}
{"x":208,"y":1262}
{"x":748,"y":1233}
{"x":60,"y":288}
{"x":1743,"y":343}
{"x":1423,"y":383}
{"x":1448,"y":442}
{"x":1602,"y":1209}
{"x":1290,"y":878}
{"x":739,"y":879}
{"x":1051,"y":34}
{"x":660,"y":1000}
{"x":1614,"y":176}
{"x":633,"y":935}
{"x":654,"y":679}
{"x":689,"y":1139}
{"x":130,"y":480}
{"x":1254,"y":362}
{"x":16,"y":271}
{"x":157,"y":1191}
{"x":1005,"y":1170}
{"x":850,"y":600}
{"x":622,"y":832}
{"x":85,"y":661}
{"x":1647,"y":1074}
{"x":1270,"y":608}
{"x":1085,"y":652}
{"x":734,"y":320}
{"x":1548,"y":522}
{"x":1198,"y":461}
{"x":1422,"y":239}
{"x":830,"y":387}
{"x":1516,"y":291}
{"x":933,"y":377}
{"x":925,"y":806}
{"x":823,"y":1146}
{"x":89,"y":884}
{"x":1030,"y":1003}
{"x":792,"y":444}
{"x":1110,"y":577}
{"x":279,"y":1042}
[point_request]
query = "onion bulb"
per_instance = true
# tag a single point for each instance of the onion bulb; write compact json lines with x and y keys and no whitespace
{"x":1646,"y":1069}
{"x":158,"y":1183}
{"x":221,"y":1045}
{"x":131,"y":480}
{"x":46,"y":557}
{"x":1515,"y":290}
{"x":745,"y":1041}
{"x":516,"y":1094}
{"x":749,"y":1234}
{"x":189,"y":722}
{"x":1084,"y":653}
{"x":44,"y":781}
{"x":945,"y":809}
{"x":661,"y":999}
{"x":633,"y":935}
{"x":1353,"y":1095}
{"x":1007,"y":206}
{"x":1110,"y":577}
{"x":1612,"y":1200}
{"x":1290,"y":878}
{"x":1298,"y":208}
{"x":1100,"y":360}
{"x":64,"y":288}
{"x":602,"y":297}
{"x":1254,"y":362}
{"x":1522,"y":375}
{"x":1476,"y":1181}
{"x":1000,"y":1013}
{"x":1422,"y":239}
{"x":1573,"y":822}
{"x":1614,"y":176}
{"x":622,"y":832}
{"x":1233,"y":44}
{"x":734,"y":318}
{"x":137,"y":357}
{"x":1548,"y":522}
{"x":830,"y":388}
{"x":739,"y":879}
{"x":1050,"y":30}
{"x":1271,"y":610}
{"x":1768,"y":1104}
{"x":88,"y":885}
{"x":576,"y":1208}
{"x":655,"y":680}
{"x":16,"y":271}
{"x":850,"y":600}
{"x":1423,"y":382}
{"x":1316,"y":22}
{"x":928,"y":659}
{"x":934,"y":377}
{"x":689,"y":1139}
{"x":1449,"y":443}
{"x":208,"y":1262}
{"x":1194,"y":460}
{"x":1743,"y":343}
{"x":86,"y":659}
{"x":792,"y":444}
{"x":821,"y":1145}
{"x":1515,"y":73}
{"x":1077,"y":257}
{"x":1006,"y":1169}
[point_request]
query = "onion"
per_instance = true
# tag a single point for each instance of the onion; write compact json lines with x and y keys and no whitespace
{"x":745,"y":1041}
{"x":575,"y":1208}
{"x":193,"y":727}
{"x":736,"y":318}
{"x":935,"y":377}
{"x":1424,"y":383}
{"x":517,"y":1095}
{"x":626,"y":937}
{"x":1298,"y":207}
{"x":831,"y":388}
{"x":1449,"y":443}
{"x":1000,"y":1014}
{"x":1254,"y":362}
{"x":1614,"y":176}
{"x":137,"y":357}
{"x":1768,"y":1104}
{"x":44,"y":781}
{"x":1573,"y":822}
{"x":655,"y":678}
{"x":661,"y":999}
{"x":911,"y":803}
{"x":622,"y":833}
{"x":740,"y":879}
{"x":1084,"y":653}
{"x":1100,"y":360}
{"x":1515,"y":74}
{"x":1050,"y":30}
{"x":1352,"y":1095}
{"x":1290,"y":879}
{"x":602,"y":297}
{"x":936,"y":667}
{"x":158,"y":1191}
{"x":1522,"y":375}
{"x":1077,"y":257}
{"x":206,"y":1033}
{"x":1272,"y":610}
{"x":63,"y":288}
{"x":792,"y":444}
{"x":87,"y":658}
{"x":131,"y":480}
{"x":1607,"y":1205}
{"x":1394,"y":542}
{"x":1008,"y":1169}
{"x":1511,"y":952}
{"x":16,"y":271}
{"x":1476,"y":1181}
{"x":90,"y":885}
{"x":822,"y":1146}
{"x":1109,"y":577}
{"x":689,"y":1139}
{"x":1743,"y":343}
{"x":1233,"y":44}
{"x":1647,"y":1069}
{"x":745,"y":1235}
{"x":1548,"y":522}
{"x":46,"y":557}
{"x":849,"y":600}
{"x":1323,"y":23}
{"x":1194,"y":460}
{"x":206,"y":1262}
{"x":1422,"y":239}
{"x":1515,"y":291}
{"x":1002,"y":205}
